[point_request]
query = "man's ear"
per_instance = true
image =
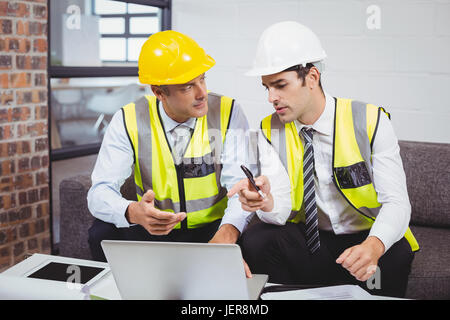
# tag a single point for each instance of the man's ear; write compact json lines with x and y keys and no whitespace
{"x":157,"y":91}
{"x":314,"y":77}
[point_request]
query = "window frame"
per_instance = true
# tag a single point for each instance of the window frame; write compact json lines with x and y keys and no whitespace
{"x":126,"y":35}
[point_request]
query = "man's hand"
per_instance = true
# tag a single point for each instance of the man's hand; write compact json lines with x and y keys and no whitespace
{"x":361,"y":260}
{"x":250,"y":198}
{"x":228,"y":233}
{"x":155,"y":221}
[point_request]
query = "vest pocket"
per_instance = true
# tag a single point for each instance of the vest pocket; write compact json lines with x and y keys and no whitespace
{"x":353,"y":176}
{"x":198,"y":167}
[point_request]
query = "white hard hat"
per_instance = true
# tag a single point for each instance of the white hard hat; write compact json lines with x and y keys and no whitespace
{"x":284,"y":45}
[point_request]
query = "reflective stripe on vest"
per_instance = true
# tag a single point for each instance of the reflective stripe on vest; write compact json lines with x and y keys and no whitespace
{"x":194,"y":185}
{"x":354,"y":132}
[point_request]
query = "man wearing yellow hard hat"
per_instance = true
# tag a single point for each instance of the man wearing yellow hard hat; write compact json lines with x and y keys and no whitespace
{"x":178,"y":143}
{"x":338,"y":207}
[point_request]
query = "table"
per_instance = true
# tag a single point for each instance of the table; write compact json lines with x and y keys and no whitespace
{"x":105,"y":287}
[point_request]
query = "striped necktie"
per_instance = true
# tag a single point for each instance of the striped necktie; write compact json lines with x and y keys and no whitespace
{"x":311,"y":222}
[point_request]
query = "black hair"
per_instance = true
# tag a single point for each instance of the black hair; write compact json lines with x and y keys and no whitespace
{"x":302,"y":72}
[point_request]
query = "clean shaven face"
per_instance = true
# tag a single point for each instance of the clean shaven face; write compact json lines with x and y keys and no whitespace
{"x":287,"y":94}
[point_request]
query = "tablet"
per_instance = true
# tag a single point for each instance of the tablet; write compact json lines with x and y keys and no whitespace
{"x":68,"y":272}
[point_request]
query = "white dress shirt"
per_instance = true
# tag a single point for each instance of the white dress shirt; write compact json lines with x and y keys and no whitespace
{"x":334,"y":212}
{"x":115,"y":160}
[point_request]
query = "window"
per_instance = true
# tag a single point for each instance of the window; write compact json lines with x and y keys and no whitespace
{"x":123,"y":28}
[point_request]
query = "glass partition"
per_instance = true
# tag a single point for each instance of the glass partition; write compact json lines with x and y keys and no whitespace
{"x":83,"y":107}
{"x":100,"y":32}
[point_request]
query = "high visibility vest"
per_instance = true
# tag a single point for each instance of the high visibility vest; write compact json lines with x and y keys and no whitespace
{"x":193,"y":186}
{"x":355,"y":128}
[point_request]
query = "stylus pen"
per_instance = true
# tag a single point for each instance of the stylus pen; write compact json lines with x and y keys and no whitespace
{"x":252,"y":180}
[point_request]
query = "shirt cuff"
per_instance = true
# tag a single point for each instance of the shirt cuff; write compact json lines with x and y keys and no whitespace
{"x":234,"y":214}
{"x":385,"y":233}
{"x":278,"y":216}
{"x":120,"y":219}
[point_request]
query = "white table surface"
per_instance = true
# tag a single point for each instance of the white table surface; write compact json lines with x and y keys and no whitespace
{"x":105,"y":287}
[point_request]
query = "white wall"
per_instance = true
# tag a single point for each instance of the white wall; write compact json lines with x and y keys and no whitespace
{"x":404,"y":66}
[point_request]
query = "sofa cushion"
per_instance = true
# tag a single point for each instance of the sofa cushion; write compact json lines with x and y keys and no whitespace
{"x":430,"y":273}
{"x":427,"y":168}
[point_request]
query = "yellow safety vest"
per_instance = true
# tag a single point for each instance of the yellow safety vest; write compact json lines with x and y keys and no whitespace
{"x":355,"y":128}
{"x":192,"y":186}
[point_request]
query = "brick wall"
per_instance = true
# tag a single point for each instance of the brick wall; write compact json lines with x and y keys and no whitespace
{"x":24,"y":150}
{"x":403,"y":65}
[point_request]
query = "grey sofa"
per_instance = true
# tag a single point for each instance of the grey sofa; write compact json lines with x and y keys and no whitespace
{"x":427,"y":167}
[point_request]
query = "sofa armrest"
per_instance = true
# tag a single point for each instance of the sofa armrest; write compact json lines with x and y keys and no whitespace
{"x":75,"y":218}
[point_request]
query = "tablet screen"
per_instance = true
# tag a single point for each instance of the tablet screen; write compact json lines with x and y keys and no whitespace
{"x":66,"y":272}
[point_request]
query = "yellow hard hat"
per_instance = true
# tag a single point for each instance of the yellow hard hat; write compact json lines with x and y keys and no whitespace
{"x":170,"y":57}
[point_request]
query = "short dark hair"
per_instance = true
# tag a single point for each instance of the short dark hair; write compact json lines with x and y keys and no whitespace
{"x":302,"y":72}
{"x":164,"y":88}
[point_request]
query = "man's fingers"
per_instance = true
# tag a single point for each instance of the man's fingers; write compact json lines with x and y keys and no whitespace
{"x":149,"y":196}
{"x":250,"y":195}
{"x":357,"y":266}
{"x":253,"y":205}
{"x":250,"y":209}
{"x":351,"y":259}
{"x":237,"y":187}
{"x":362,"y":275}
{"x":248,"y":273}
{"x":161,"y":229}
{"x":344,"y":256}
{"x":263,"y":183}
{"x":151,"y":220}
{"x":164,"y":215}
{"x":249,"y":202}
{"x":371,"y":269}
{"x":365,"y":272}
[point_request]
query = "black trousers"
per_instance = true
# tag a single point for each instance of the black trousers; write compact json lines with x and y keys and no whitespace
{"x":101,"y":230}
{"x":281,"y":252}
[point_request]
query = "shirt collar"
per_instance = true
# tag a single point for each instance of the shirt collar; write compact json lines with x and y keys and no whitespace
{"x":325,"y":123}
{"x":169,"y":124}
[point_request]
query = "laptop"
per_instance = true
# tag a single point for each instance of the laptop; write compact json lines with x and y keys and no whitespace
{"x":180,"y":271}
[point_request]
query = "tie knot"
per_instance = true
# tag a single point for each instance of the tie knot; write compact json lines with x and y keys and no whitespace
{"x":307,"y":134}
{"x":181,"y":131}
{"x":181,"y":135}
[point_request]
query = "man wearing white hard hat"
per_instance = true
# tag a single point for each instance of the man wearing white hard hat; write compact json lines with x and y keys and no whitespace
{"x":336,"y":209}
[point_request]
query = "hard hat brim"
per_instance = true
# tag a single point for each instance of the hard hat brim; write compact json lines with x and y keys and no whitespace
{"x":276,"y":69}
{"x":207,"y":64}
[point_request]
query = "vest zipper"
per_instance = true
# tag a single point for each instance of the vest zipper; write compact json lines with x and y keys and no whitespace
{"x":180,"y":174}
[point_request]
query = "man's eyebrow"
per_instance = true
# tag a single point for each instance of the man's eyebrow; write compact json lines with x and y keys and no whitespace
{"x":273,"y":83}
{"x":183,"y":85}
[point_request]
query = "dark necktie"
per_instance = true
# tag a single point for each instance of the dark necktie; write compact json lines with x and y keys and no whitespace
{"x":309,"y":195}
